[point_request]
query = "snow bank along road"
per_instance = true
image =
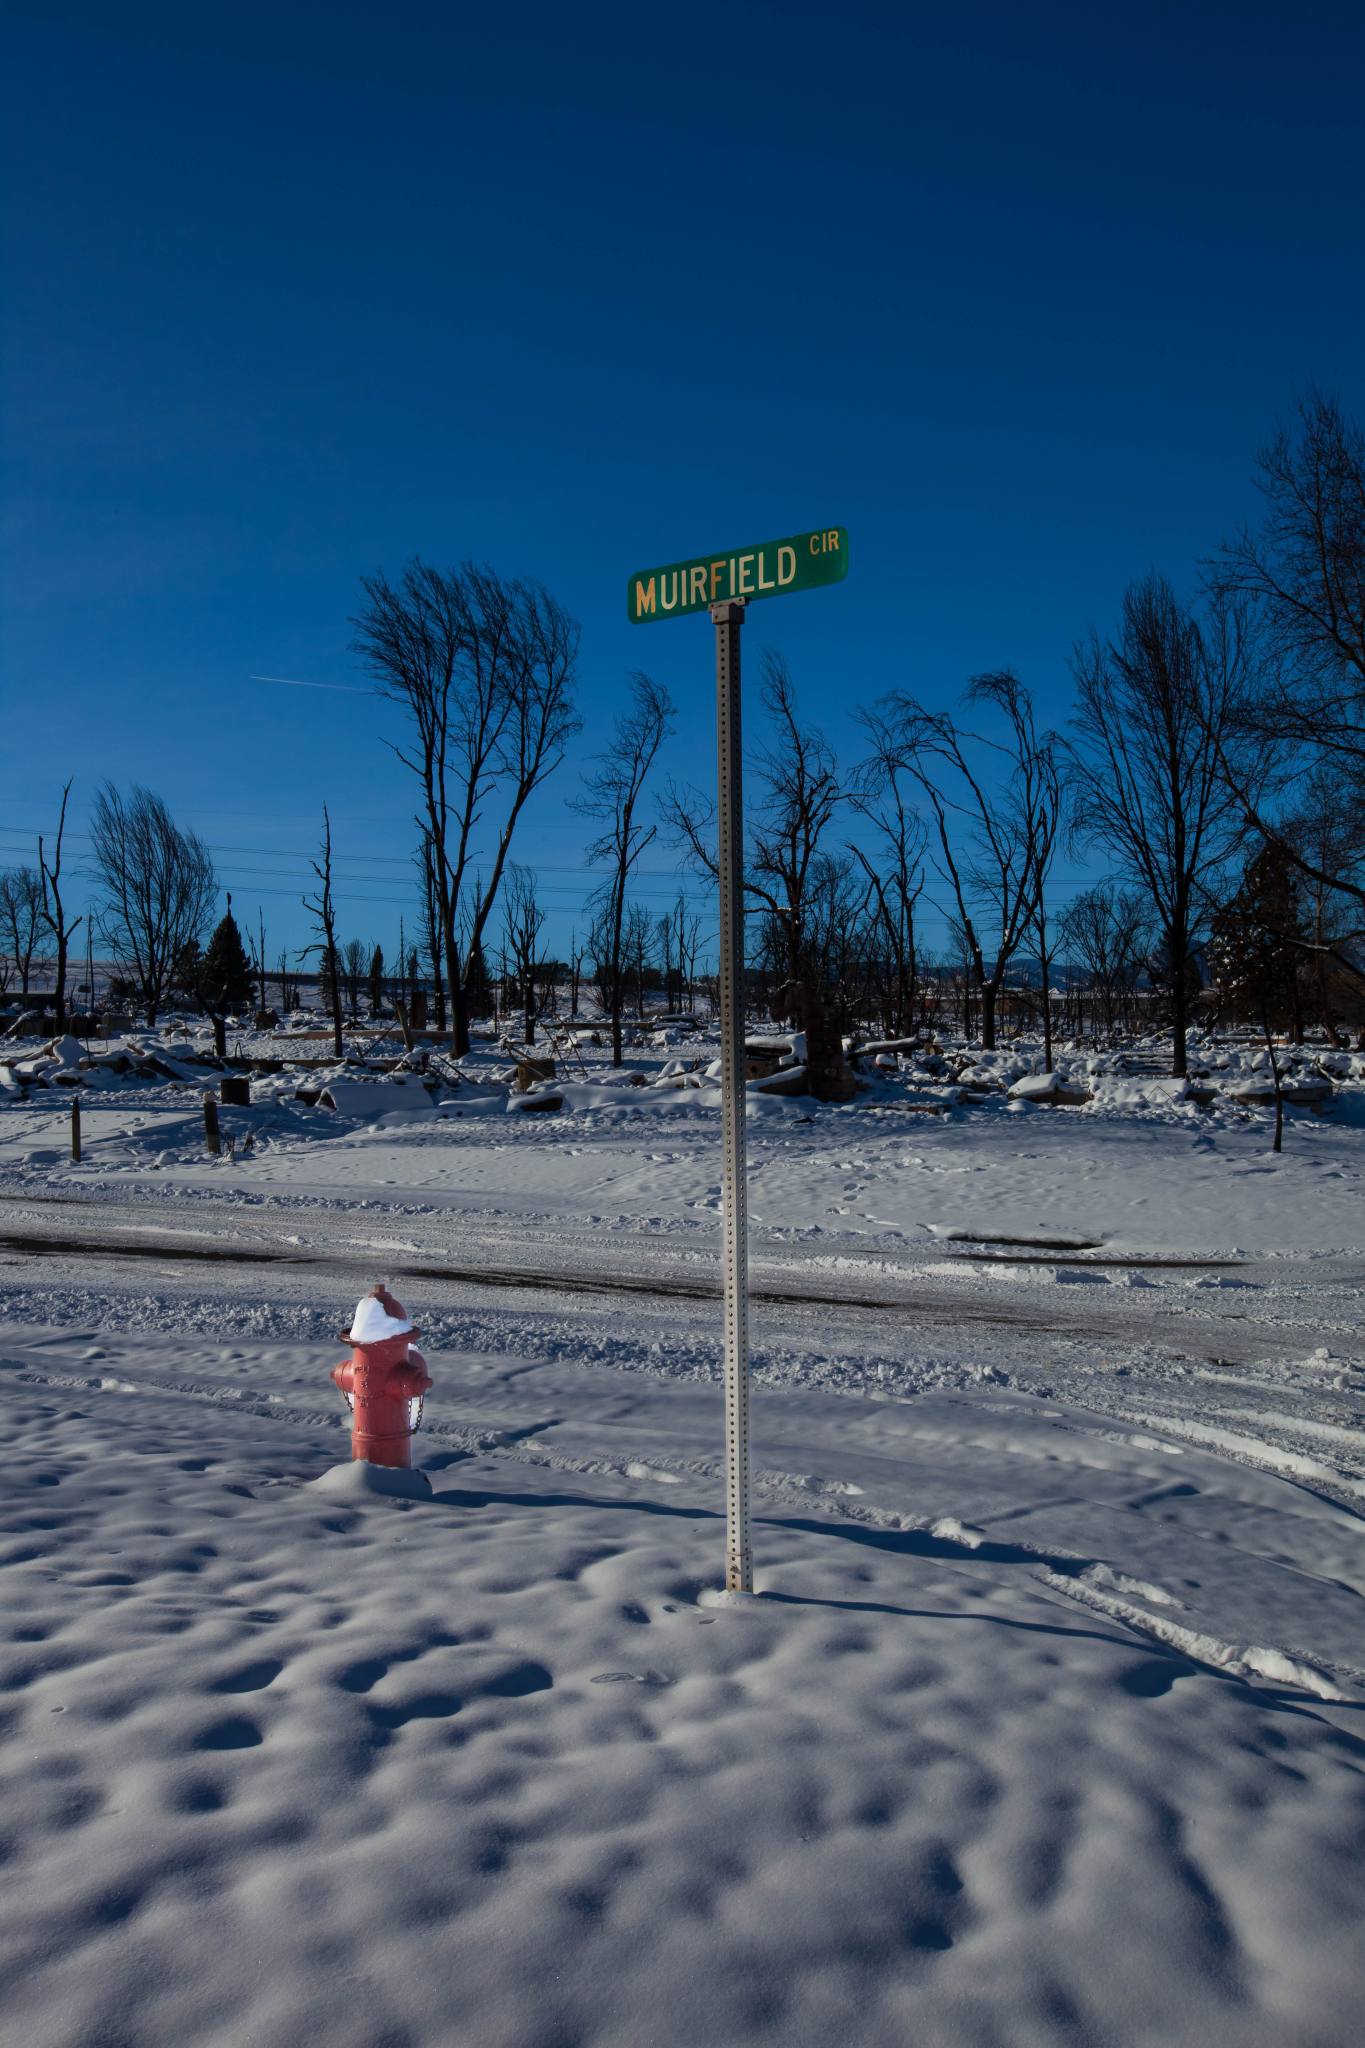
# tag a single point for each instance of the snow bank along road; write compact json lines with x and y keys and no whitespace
{"x":1046,"y":1725}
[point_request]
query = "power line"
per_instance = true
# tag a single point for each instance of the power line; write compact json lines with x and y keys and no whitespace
{"x":679,"y":877}
{"x":339,"y":856}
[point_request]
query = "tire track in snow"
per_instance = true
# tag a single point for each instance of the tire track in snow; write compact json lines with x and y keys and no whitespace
{"x":952,"y":1306}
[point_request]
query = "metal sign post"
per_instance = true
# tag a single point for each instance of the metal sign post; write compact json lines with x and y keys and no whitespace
{"x":723,"y":584}
{"x":739,"y":1566}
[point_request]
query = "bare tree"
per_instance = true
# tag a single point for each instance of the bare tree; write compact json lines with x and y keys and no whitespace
{"x":663,"y":933}
{"x":799,"y":797}
{"x":1300,"y":580}
{"x":322,"y":910}
{"x":54,"y":916}
{"x":840,"y":928}
{"x":1104,"y":930}
{"x":478,"y":988}
{"x":263,"y":999}
{"x":355,"y":962}
{"x":433,"y":931}
{"x":1154,"y":726}
{"x":157,"y":884}
{"x":1324,"y":836}
{"x":1006,"y":797}
{"x":961,"y":976}
{"x":21,"y":917}
{"x":1303,"y":575}
{"x":612,"y":796}
{"x":678,"y":933}
{"x":523,"y":922}
{"x":484,"y":667}
{"x":896,"y":875}
{"x":687,"y":944}
{"x":576,"y":955}
{"x":1049,"y":828}
{"x":601,"y":950}
{"x":635,"y":951}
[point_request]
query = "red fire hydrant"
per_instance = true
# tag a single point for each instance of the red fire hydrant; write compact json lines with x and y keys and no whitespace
{"x":381,"y":1379}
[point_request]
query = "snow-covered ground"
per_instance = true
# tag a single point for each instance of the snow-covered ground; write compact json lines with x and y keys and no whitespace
{"x":1045,"y":1725}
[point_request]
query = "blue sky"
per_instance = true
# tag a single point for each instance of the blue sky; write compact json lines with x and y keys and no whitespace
{"x":292,"y":293}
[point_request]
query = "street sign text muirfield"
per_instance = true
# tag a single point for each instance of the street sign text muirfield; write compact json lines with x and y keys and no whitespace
{"x":771,"y":569}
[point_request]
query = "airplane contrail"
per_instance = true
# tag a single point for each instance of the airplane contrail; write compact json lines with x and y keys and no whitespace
{"x":350,"y":689}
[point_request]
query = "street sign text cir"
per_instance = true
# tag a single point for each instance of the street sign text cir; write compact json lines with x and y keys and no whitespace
{"x":770,"y":569}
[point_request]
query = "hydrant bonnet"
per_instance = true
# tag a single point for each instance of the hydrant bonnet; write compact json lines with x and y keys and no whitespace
{"x":377,"y":1316}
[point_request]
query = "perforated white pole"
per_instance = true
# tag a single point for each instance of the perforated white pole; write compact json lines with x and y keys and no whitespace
{"x":739,"y":1569}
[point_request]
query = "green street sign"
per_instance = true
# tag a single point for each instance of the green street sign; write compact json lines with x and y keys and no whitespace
{"x":772,"y":569}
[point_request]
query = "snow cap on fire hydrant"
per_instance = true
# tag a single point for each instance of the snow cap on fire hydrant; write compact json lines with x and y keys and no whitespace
{"x":378,"y":1315}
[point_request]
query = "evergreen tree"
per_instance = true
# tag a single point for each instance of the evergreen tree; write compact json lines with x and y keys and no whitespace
{"x":478,"y":991}
{"x":186,"y":969}
{"x":377,"y":982}
{"x":225,"y":980}
{"x":1253,"y":949}
{"x":1254,"y":955}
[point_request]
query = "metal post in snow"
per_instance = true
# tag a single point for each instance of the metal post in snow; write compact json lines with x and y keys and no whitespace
{"x":739,"y":1569}
{"x":769,"y":569}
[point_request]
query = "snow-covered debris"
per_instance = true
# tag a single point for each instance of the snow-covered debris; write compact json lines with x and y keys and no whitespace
{"x":1057,"y":1087}
{"x":1307,"y":1088}
{"x":786,"y":1081}
{"x":540,"y":1102}
{"x":1143,"y":1092}
{"x":376,"y":1098}
{"x":1249,"y":1088}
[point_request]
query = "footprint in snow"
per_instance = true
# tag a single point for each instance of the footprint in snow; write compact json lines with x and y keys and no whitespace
{"x":632,"y":1678}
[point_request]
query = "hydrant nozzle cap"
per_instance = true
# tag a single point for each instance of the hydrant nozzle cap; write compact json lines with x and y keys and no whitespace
{"x":378,"y":1316}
